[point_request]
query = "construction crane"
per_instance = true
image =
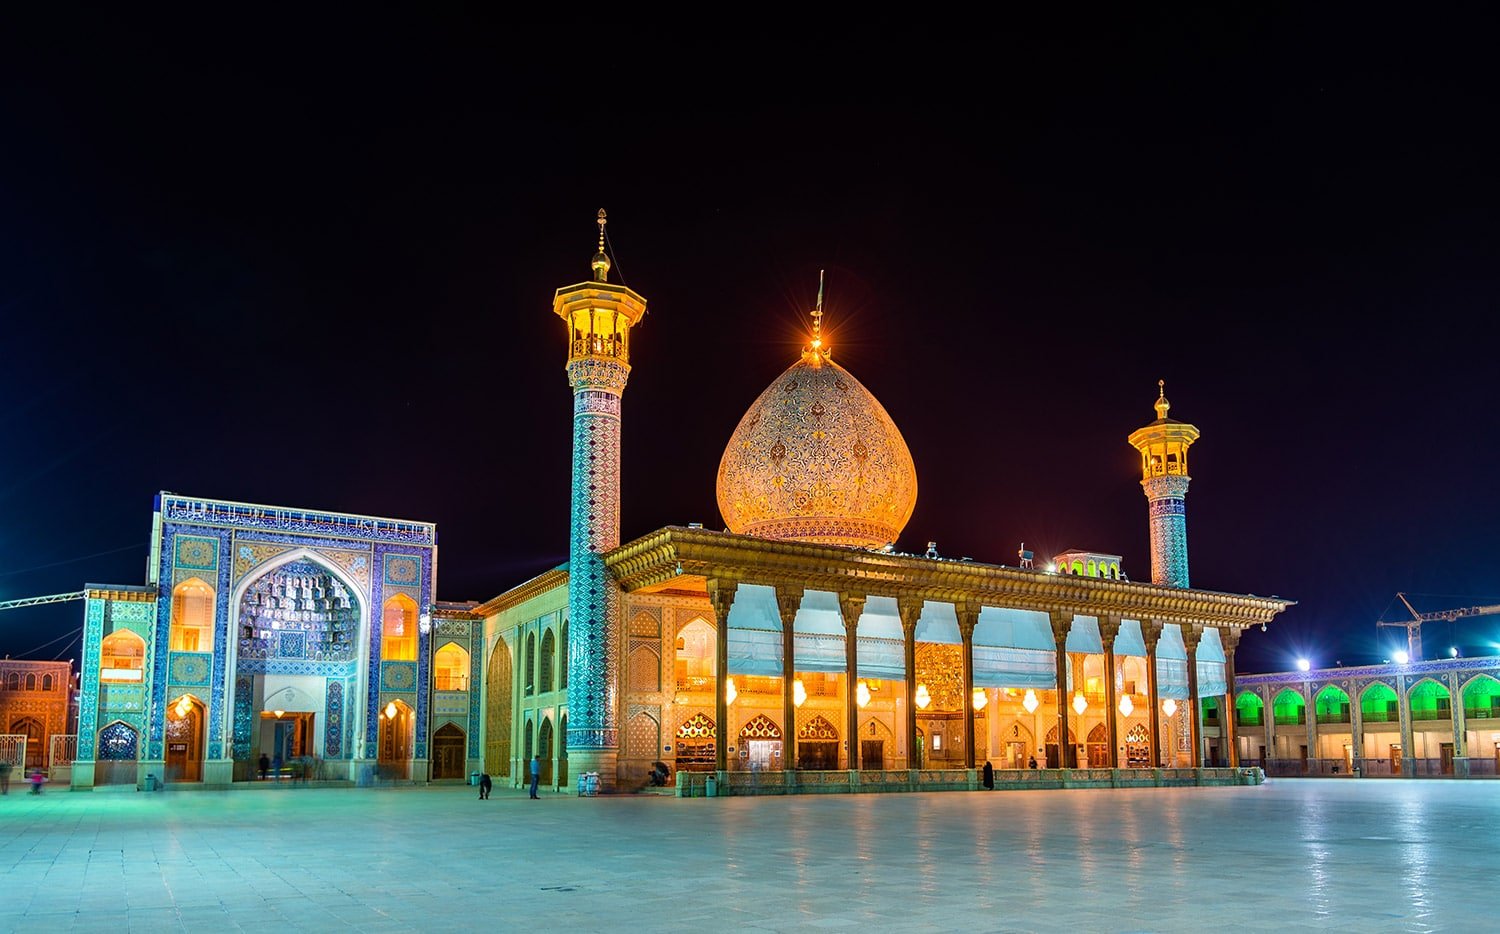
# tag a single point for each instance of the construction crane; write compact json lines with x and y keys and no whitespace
{"x":38,"y":601}
{"x":1413,"y":626}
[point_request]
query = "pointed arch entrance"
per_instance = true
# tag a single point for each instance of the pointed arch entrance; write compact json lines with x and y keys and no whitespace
{"x":118,"y":749}
{"x":395,"y":741}
{"x":695,"y":749}
{"x":448,"y":752}
{"x":818,"y":745}
{"x":301,"y":648}
{"x":184,"y":729}
{"x":544,"y":749}
{"x":497,"y":711}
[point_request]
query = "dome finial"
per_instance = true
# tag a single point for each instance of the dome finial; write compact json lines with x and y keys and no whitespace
{"x":1162,"y":405}
{"x":600,"y":262}
{"x":815,"y":347}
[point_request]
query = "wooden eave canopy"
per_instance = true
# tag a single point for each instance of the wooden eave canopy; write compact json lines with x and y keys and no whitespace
{"x":662,"y":559}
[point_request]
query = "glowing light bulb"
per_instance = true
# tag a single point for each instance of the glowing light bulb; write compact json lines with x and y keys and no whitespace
{"x":1401,"y":657}
{"x":862,"y":694}
{"x":1169,"y":707}
{"x":390,"y":710}
{"x":980,"y":699}
{"x":799,"y":693}
{"x":1080,"y":703}
{"x":1126,"y":705}
{"x":278,"y":713}
{"x":923,"y":698}
{"x":1030,"y":702}
{"x":729,"y":691}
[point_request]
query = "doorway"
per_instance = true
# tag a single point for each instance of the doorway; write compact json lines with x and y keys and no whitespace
{"x":448,"y":758}
{"x":1395,"y":760}
{"x":763,"y":755}
{"x":1446,"y":752}
{"x":185,"y":740}
{"x":395,"y":741}
{"x":872,"y":753}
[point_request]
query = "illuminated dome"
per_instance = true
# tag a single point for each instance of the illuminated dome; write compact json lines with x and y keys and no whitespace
{"x":817,"y":459}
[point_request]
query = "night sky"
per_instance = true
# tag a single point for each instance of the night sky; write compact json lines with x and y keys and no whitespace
{"x":311,"y":264}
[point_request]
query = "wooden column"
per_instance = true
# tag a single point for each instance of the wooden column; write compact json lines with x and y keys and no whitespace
{"x":910,"y":609}
{"x":1109,"y":628}
{"x":1062,"y":621}
{"x":721,"y":596}
{"x":788,"y":602}
{"x":1151,"y":633}
{"x":1228,"y":728}
{"x":968,"y":618}
{"x":1460,"y":723}
{"x":851,"y":606}
{"x":1191,"y":634}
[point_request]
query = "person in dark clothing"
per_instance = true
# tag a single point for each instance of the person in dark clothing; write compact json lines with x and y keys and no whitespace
{"x":989,"y":775}
{"x":265,"y":765}
{"x":536,"y":773}
{"x":485,"y":784}
{"x":5,"y":778}
{"x":1032,"y":763}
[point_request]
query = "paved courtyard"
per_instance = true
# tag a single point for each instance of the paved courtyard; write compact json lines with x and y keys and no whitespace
{"x":1290,"y":855}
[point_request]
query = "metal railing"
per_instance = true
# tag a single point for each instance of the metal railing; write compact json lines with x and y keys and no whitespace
{"x":64,"y":749}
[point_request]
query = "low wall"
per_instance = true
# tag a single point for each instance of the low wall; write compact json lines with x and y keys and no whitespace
{"x":874,"y":781}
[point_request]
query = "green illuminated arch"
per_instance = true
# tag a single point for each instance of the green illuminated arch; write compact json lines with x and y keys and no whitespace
{"x":1482,"y":698}
{"x":1289,"y":708}
{"x":1249,"y":709}
{"x":1379,"y":704}
{"x":1332,"y":705}
{"x":1430,"y":701}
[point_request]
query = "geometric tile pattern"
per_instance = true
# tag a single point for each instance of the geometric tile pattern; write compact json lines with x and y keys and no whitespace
{"x":190,"y":668}
{"x":593,"y":599}
{"x":1168,"y":512}
{"x":334,"y":721}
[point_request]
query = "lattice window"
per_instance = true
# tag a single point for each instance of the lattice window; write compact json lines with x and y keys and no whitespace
{"x":1052,"y":735}
{"x":450,"y":667}
{"x":122,"y":656}
{"x":644,"y":623}
{"x":1137,"y":735}
{"x":1098,"y":734}
{"x":818,"y":729}
{"x":497,"y":712}
{"x":642,"y":737}
{"x":762,"y":727}
{"x":645,"y":669}
{"x":398,"y":630}
{"x":701,"y":726}
{"x":562,"y":661}
{"x":192,"y":617}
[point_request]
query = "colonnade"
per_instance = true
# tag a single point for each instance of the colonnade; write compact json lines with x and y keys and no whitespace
{"x":789,"y":598}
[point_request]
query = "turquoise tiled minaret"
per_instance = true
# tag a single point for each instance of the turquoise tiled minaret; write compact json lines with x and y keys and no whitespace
{"x":1164,"y":477}
{"x":598,"y":316}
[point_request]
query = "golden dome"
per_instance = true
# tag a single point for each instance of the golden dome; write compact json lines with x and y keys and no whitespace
{"x":817,"y":459}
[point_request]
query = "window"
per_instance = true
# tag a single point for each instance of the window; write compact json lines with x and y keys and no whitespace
{"x":451,"y":668}
{"x":46,"y":682}
{"x":398,"y":630}
{"x":192,"y":617}
{"x":13,"y":681}
{"x":562,"y":659}
{"x":549,"y":660}
{"x":530,"y":663}
{"x":31,"y":681}
{"x":122,"y":657}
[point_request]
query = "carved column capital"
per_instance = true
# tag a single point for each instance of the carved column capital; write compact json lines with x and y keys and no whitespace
{"x":1192,"y":634}
{"x":721,"y":593}
{"x":1151,"y":634}
{"x":1109,"y":628}
{"x":1230,"y":639}
{"x":910,"y":609}
{"x":968,"y":618}
{"x":788,"y":602}
{"x":1062,"y":622}
{"x":851,"y":606}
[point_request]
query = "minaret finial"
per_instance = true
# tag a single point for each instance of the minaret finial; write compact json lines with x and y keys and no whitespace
{"x":817,"y":315}
{"x":1162,"y":405}
{"x":601,"y":262}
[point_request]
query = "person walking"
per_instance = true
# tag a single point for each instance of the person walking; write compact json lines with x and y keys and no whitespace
{"x":989,"y":775}
{"x":5,"y":778}
{"x":536,"y":773}
{"x":38,"y":779}
{"x":265,"y":765}
{"x":485,"y":785}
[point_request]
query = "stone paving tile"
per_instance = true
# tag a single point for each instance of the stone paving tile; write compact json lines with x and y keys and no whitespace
{"x":1290,"y":856}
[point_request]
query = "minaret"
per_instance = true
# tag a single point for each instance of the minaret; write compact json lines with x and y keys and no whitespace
{"x":1164,"y":476}
{"x":598,"y":316}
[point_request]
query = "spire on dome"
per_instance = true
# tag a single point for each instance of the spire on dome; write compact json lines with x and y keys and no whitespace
{"x":601,"y":262}
{"x":815,"y":349}
{"x":1162,"y":405}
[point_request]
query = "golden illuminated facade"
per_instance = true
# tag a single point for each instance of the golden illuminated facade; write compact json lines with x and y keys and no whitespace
{"x":799,"y":650}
